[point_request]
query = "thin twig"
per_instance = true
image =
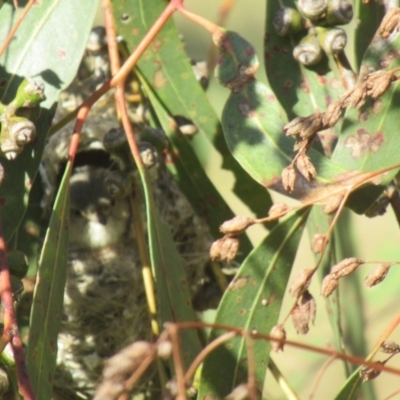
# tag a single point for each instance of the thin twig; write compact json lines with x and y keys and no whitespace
{"x":281,"y":380}
{"x":11,"y":333}
{"x":20,"y":18}
{"x":321,"y":373}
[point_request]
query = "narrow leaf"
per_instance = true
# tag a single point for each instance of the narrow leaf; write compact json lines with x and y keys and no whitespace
{"x":48,"y":46}
{"x":47,"y":307}
{"x":252,"y":301}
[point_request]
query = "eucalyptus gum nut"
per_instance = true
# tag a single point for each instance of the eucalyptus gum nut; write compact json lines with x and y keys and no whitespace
{"x":288,"y":21}
{"x":30,"y":93}
{"x":339,"y":12}
{"x":97,"y":40}
{"x":115,"y":143}
{"x":17,"y":263}
{"x":332,"y":40}
{"x":308,"y":51}
{"x":313,"y":9}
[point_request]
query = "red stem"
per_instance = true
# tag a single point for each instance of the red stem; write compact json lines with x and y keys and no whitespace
{"x":11,"y":333}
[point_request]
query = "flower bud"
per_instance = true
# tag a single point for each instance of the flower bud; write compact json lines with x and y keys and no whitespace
{"x":377,"y":275}
{"x":317,"y":243}
{"x":301,"y":282}
{"x":329,"y":285}
{"x":305,"y":166}
{"x":300,"y":320}
{"x":390,"y":22}
{"x":277,"y":210}
{"x":118,"y":184}
{"x":390,"y":347}
{"x":308,"y":52}
{"x":224,"y":249}
{"x":313,"y":9}
{"x":236,"y":225}
{"x":30,"y":93}
{"x":288,"y":21}
{"x":345,"y":267}
{"x":279,"y":333}
{"x":288,"y":178}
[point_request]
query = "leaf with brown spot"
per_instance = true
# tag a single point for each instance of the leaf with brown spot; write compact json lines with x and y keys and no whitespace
{"x":269,"y":266}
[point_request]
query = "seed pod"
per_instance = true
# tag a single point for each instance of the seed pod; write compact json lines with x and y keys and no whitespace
{"x":279,"y":333}
{"x":377,"y":275}
{"x":301,"y":282}
{"x":329,"y":285}
{"x":308,"y":306}
{"x":313,"y":9}
{"x":317,"y":243}
{"x":308,"y":52}
{"x":390,"y":347}
{"x":224,"y":249}
{"x":345,"y":267}
{"x":236,"y":225}
{"x":164,"y":349}
{"x":339,"y":12}
{"x":288,"y":21}
{"x":306,"y":167}
{"x":118,"y":184}
{"x":277,"y":210}
{"x":288,"y":178}
{"x":332,"y":40}
{"x":294,"y":127}
{"x":390,"y":22}
{"x":332,"y":114}
{"x":148,"y":154}
{"x":369,"y":373}
{"x":379,"y":82}
{"x":300,"y":320}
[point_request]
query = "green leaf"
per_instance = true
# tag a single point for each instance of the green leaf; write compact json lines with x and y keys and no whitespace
{"x":351,"y":389}
{"x":174,"y":299}
{"x":48,"y":296}
{"x":47,"y":46}
{"x":369,"y":137}
{"x":167,"y":70}
{"x":262,"y":276}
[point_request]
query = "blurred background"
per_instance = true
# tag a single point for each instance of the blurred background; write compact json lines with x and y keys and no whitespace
{"x":376,"y":239}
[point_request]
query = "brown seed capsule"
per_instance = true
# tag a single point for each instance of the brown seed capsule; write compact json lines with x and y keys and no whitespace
{"x":294,"y":127}
{"x":389,"y":23}
{"x":358,"y":97}
{"x":306,"y":167}
{"x":301,"y":282}
{"x":329,"y":285}
{"x":279,"y":333}
{"x":288,"y":178}
{"x":236,"y":225}
{"x":277,"y":210}
{"x":377,"y":275}
{"x":317,"y":243}
{"x":332,"y":114}
{"x":369,"y":373}
{"x":345,"y":267}
{"x":390,"y":347}
{"x":224,"y":249}
{"x":308,"y":306}
{"x":379,"y":82}
{"x":300,"y":320}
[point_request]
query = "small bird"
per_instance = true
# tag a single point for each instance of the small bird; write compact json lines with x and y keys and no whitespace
{"x":96,"y":220}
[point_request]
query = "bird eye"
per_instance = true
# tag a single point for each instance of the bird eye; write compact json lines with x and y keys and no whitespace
{"x":75,"y":213}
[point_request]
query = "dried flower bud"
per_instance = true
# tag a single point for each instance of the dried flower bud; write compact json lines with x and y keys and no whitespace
{"x":288,"y":178}
{"x":390,"y":22}
{"x":278,"y":210}
{"x":358,"y":96}
{"x":332,"y":204}
{"x":369,"y":373}
{"x":313,"y":124}
{"x":236,"y":225}
{"x":377,"y":275}
{"x":224,"y":249}
{"x":279,"y":333}
{"x":308,"y":306}
{"x":378,"y":83}
{"x":306,"y":167}
{"x":317,"y":243}
{"x":390,"y":347}
{"x":294,"y":127}
{"x":345,"y":267}
{"x":301,"y":282}
{"x":300,"y":320}
{"x":240,"y":392}
{"x":332,"y":114}
{"x":329,"y":285}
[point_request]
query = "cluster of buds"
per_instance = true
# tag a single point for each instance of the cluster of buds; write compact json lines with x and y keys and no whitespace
{"x":305,"y":128}
{"x":344,"y":268}
{"x":227,"y":247}
{"x":17,"y":129}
